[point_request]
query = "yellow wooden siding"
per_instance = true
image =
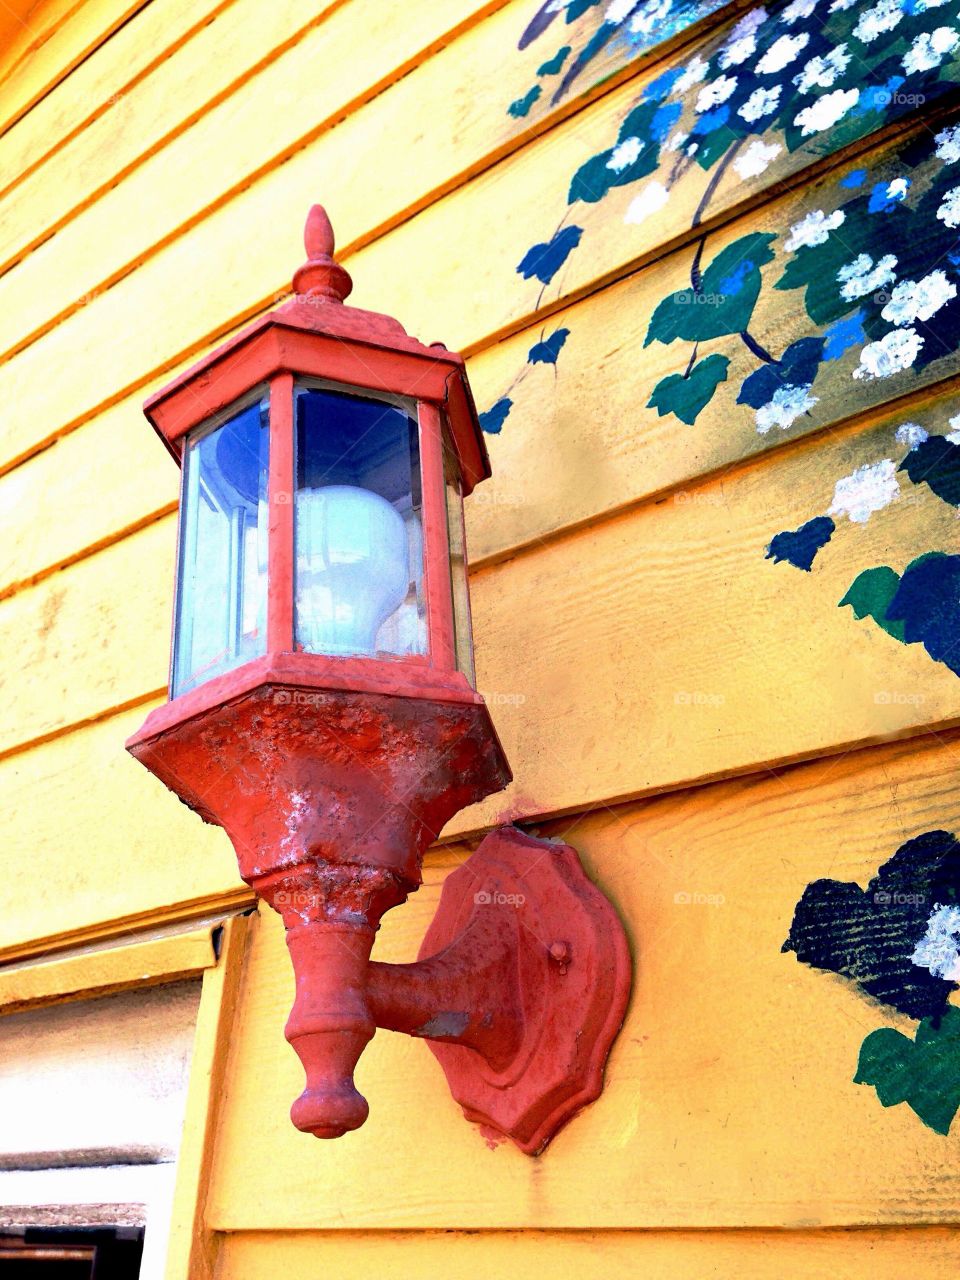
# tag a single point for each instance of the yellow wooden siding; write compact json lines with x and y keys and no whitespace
{"x":631,"y":636}
{"x":729,"y":1098}
{"x":591,"y":1255}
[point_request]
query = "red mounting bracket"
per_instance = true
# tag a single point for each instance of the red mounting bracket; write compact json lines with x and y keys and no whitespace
{"x":527,"y":906}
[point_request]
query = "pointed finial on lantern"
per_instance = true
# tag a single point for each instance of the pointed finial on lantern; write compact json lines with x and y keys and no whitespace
{"x":321,"y":278}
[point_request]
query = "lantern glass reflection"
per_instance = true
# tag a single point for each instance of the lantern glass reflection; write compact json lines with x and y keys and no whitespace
{"x":358,"y":529}
{"x":222,"y":575}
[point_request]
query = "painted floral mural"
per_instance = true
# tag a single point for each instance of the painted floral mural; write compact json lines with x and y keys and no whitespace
{"x":796,"y":323}
{"x":898,"y":941}
{"x":813,"y":74}
{"x":623,"y":28}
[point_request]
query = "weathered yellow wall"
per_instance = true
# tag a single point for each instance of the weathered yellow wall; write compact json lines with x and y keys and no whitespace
{"x":707,"y":727}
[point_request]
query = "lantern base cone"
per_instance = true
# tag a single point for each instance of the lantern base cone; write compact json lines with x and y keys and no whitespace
{"x":330,"y":797}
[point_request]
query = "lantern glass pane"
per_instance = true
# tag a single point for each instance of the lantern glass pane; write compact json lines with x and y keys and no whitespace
{"x":222,"y":577}
{"x":358,"y":530}
{"x":462,"y":625}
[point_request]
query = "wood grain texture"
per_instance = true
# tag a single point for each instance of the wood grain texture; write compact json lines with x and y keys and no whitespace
{"x":137,"y":963}
{"x":55,"y":42}
{"x":673,"y":620}
{"x":580,"y":441}
{"x":729,"y":1098}
{"x":191,"y":1248}
{"x":589,"y":1255}
{"x":79,"y":813}
{"x":238,"y":258}
{"x":93,"y":87}
{"x":265,"y":91}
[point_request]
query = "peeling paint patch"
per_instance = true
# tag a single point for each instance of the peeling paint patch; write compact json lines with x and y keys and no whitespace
{"x":445,"y":1026}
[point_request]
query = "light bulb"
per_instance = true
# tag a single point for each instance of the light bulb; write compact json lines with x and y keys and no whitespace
{"x":352,"y":571}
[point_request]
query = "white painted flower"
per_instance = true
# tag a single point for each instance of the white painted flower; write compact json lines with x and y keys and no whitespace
{"x":650,"y":200}
{"x":693,"y":148}
{"x":937,"y":950}
{"x":874,"y":22}
{"x":695,"y":71}
{"x":624,"y":154}
{"x":870,"y":488}
{"x":911,"y":434}
{"x":929,"y":49}
{"x":646,"y":19}
{"x":840,"y":5}
{"x":787,"y":404}
{"x":760,"y":103}
{"x":742,"y":41}
{"x":617,"y":10}
{"x":826,"y":111}
{"x":948,"y":144}
{"x":737,"y":51}
{"x":919,"y":299}
{"x":820,"y":73}
{"x":717,"y":91}
{"x":798,"y":9}
{"x":897,"y":189}
{"x":677,"y":140}
{"x":949,"y":211}
{"x":862,"y":276}
{"x":782,"y":52}
{"x":814,"y":229}
{"x":895,"y":351}
{"x":750,"y":23}
{"x":757,"y":158}
{"x":954,"y":435}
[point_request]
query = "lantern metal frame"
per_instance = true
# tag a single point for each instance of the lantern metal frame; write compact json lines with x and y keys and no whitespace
{"x":332,"y":775}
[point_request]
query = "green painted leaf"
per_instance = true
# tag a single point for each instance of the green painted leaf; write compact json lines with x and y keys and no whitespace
{"x":924,"y":1072}
{"x":725,"y":301}
{"x":686,"y":396}
{"x":869,"y":595}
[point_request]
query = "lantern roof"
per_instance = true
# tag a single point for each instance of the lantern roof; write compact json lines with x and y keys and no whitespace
{"x":315,"y":334}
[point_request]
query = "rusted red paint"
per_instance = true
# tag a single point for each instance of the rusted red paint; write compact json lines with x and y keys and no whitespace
{"x":330,"y":798}
{"x":331,"y":777}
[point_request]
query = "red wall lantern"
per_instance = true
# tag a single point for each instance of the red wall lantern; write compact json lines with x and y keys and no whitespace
{"x":323,"y":712}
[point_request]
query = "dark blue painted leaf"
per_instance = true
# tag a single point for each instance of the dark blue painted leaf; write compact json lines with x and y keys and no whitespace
{"x":869,"y":936}
{"x":800,"y":546}
{"x":544,"y":260}
{"x":927,"y":602}
{"x":546,"y":352}
{"x":797,"y":367}
{"x":492,"y":421}
{"x":936,"y":462}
